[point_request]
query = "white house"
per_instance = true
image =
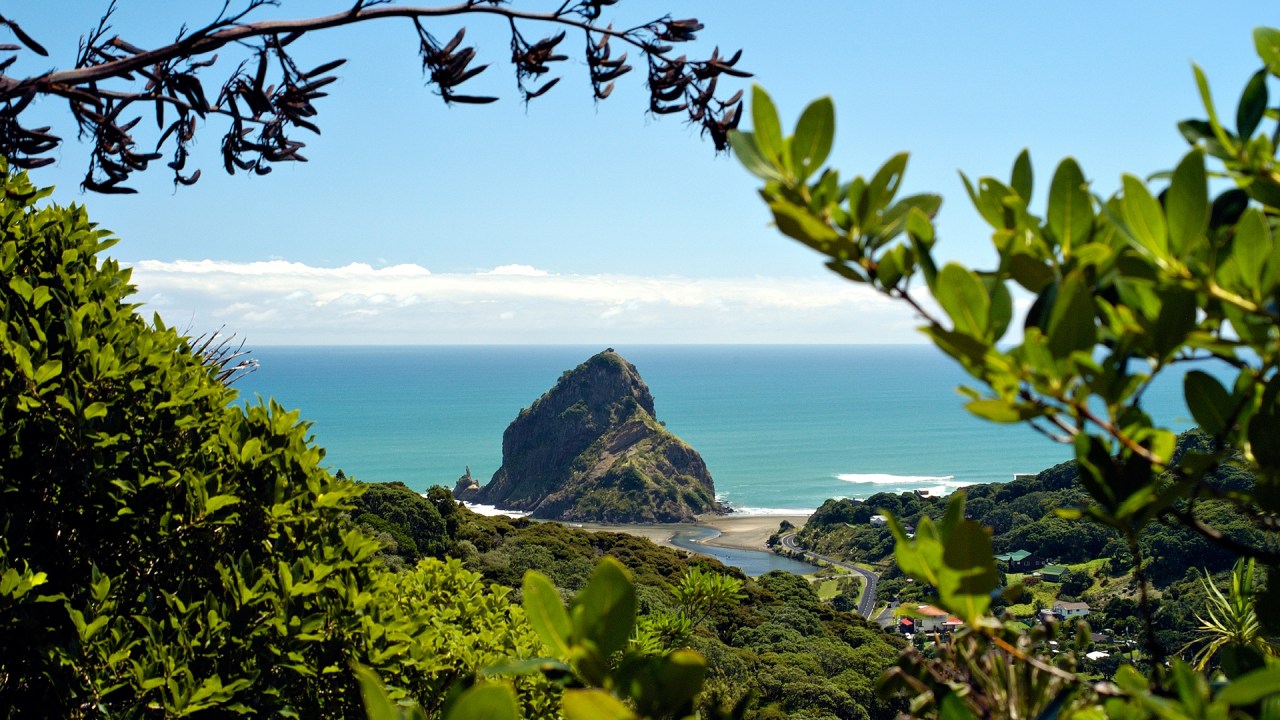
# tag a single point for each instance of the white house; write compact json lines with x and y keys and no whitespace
{"x":931,"y":619}
{"x":1067,"y":610}
{"x":879,"y":521}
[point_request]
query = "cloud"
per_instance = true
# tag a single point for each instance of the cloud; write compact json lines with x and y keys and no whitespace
{"x":283,"y":302}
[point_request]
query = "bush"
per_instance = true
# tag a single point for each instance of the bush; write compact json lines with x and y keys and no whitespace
{"x":173,"y":550}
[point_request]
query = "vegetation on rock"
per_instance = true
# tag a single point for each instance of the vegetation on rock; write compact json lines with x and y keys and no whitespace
{"x":591,"y":450}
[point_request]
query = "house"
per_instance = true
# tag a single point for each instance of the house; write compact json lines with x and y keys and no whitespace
{"x":879,"y":521}
{"x":1067,"y":610}
{"x":1018,"y":560}
{"x":1052,"y":573}
{"x":931,"y":619}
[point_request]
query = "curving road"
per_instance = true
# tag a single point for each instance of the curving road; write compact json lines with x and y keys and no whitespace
{"x":868,"y":602}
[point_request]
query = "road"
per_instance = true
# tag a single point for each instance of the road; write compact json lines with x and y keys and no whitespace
{"x":868,"y":602}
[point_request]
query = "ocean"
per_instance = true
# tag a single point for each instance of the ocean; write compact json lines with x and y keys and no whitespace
{"x":781,"y":428}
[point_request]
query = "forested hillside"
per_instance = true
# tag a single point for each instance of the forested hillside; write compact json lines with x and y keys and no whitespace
{"x":798,"y":656}
{"x":1024,"y":515}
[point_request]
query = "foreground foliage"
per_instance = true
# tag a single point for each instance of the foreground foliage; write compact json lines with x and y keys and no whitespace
{"x":167,"y":552}
{"x":1126,"y":288}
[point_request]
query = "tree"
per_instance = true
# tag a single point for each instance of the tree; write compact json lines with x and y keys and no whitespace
{"x":266,"y":98}
{"x":164,"y":547}
{"x":1160,"y":278}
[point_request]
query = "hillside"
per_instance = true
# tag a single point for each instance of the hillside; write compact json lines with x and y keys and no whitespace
{"x":1022,"y":517}
{"x":592,"y":450}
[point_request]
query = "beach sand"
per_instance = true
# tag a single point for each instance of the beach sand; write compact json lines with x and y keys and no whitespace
{"x":748,"y":532}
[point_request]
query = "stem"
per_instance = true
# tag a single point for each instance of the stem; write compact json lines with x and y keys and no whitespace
{"x":1154,"y":650}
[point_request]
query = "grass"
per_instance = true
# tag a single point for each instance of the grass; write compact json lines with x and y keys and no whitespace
{"x":828,"y":589}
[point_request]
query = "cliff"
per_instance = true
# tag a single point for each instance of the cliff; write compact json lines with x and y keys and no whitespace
{"x":591,"y":450}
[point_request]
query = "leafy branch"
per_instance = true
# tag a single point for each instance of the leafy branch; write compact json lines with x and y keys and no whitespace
{"x":267,"y":97}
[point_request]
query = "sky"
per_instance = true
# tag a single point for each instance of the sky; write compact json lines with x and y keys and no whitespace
{"x":575,"y":222}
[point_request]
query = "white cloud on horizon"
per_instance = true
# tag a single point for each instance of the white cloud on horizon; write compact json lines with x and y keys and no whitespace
{"x":284,"y":302}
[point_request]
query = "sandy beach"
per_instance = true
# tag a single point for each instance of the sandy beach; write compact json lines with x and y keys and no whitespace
{"x":736,"y":531}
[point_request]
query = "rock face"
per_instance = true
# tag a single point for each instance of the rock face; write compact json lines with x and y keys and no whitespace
{"x":590,"y":450}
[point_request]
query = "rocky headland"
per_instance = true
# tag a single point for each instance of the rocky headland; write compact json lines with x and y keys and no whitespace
{"x":592,"y":450}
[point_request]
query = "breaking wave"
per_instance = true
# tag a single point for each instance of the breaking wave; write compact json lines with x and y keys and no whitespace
{"x":887,"y":479}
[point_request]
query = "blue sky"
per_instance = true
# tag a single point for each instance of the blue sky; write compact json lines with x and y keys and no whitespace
{"x":575,"y":222}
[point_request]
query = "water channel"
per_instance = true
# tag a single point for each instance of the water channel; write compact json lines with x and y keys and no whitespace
{"x":750,"y":562}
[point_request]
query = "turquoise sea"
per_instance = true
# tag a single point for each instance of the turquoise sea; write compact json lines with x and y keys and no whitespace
{"x":782,"y":428}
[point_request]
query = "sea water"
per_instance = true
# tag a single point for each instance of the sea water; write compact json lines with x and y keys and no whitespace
{"x":781,"y":428}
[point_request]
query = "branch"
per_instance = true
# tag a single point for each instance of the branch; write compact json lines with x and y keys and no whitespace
{"x":264,"y":111}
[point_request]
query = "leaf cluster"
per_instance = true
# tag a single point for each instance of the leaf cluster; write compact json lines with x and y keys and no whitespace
{"x":267,"y":98}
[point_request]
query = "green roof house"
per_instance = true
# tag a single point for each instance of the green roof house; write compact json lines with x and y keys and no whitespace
{"x":1017,"y":560}
{"x":1052,"y":573}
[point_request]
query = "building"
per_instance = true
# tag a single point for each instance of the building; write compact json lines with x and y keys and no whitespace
{"x":1068,"y":610}
{"x":879,"y":521}
{"x":928,"y":618}
{"x":1018,"y":560}
{"x":1052,"y":573}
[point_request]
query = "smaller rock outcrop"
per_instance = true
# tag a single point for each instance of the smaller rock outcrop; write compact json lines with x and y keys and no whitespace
{"x":466,"y":487}
{"x":591,"y":450}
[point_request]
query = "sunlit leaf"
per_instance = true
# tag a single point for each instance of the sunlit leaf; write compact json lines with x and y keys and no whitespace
{"x":814,"y":134}
{"x":546,"y":612}
{"x":1070,"y":212}
{"x":594,"y":704}
{"x":1021,"y":180}
{"x":1187,"y":203}
{"x":766,"y":127}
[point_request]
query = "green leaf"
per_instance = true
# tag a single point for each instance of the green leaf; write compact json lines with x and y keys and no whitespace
{"x":766,"y":127}
{"x":1029,"y":272}
{"x":680,"y":676}
{"x":1071,"y":320}
{"x":798,"y":223}
{"x":1202,"y":84}
{"x":1253,"y":105}
{"x":884,"y":185}
{"x":1070,"y":213}
{"x":604,"y":612}
{"x":1250,"y":248}
{"x":489,"y":701}
{"x":814,"y":134}
{"x":964,"y":298}
{"x":217,"y":502}
{"x":47,"y":372}
{"x":1176,"y":319}
{"x":965,"y":588}
{"x":22,"y":287}
{"x":1187,"y":204}
{"x":593,"y":704}
{"x":1021,"y":180}
{"x":1252,"y":688}
{"x":952,"y":707}
{"x":744,"y":147}
{"x":996,"y":410}
{"x":96,"y":410}
{"x":251,"y":447}
{"x":1143,"y":218}
{"x":1267,"y":42}
{"x":546,"y":613}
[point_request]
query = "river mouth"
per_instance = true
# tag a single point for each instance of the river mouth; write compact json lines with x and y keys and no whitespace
{"x":751,"y":562}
